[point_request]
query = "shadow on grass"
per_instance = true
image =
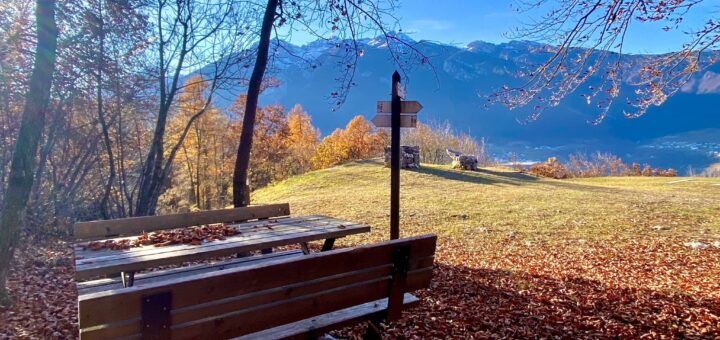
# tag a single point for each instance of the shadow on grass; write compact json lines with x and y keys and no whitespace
{"x":467,"y":302}
{"x":482,"y":176}
{"x":490,"y":177}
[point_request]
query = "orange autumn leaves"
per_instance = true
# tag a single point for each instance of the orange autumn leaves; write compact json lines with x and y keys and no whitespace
{"x":285,"y":143}
{"x":358,"y":140}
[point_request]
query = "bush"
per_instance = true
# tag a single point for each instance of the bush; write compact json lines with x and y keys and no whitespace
{"x":359,"y":140}
{"x":599,"y":165}
{"x":551,"y":168}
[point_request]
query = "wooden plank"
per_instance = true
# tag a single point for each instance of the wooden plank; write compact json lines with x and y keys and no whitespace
{"x":235,"y":241}
{"x":290,"y":310}
{"x":406,"y":121}
{"x":248,"y":228}
{"x":271,"y":298}
{"x":210,"y":250}
{"x":128,"y":329}
{"x":318,"y":326}
{"x":81,"y":286}
{"x":199,"y":289}
{"x":406,"y":106}
{"x":142,"y":279}
{"x":295,"y":290}
{"x":137,"y":225}
{"x":278,"y":294}
{"x":245,"y":232}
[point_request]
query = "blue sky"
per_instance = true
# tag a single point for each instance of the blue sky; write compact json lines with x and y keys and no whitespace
{"x":454,"y":21}
{"x":460,"y":22}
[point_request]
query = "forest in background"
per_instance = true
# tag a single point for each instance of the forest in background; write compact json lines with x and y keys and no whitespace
{"x":128,"y":129}
{"x":100,"y":126}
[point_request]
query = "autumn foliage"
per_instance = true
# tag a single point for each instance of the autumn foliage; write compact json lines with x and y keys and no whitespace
{"x":204,"y":163}
{"x":599,"y":165}
{"x":359,"y":140}
{"x":551,"y":168}
{"x":285,"y":143}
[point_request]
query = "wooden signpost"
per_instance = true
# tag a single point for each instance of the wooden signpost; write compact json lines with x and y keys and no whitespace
{"x":396,"y":114}
{"x":406,"y":121}
{"x":406,"y":107}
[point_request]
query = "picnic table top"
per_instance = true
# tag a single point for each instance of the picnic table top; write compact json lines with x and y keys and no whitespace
{"x":253,"y":235}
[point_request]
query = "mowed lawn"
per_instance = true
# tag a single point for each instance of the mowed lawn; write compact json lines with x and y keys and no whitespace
{"x":521,"y":256}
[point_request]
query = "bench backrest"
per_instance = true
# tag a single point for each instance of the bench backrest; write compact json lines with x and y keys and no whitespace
{"x":245,"y":300}
{"x":137,"y":225}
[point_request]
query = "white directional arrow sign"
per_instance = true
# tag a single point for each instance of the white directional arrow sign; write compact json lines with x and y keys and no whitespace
{"x":406,"y":121}
{"x":406,"y":106}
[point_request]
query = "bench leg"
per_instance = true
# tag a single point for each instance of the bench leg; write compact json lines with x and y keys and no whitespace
{"x":305,"y":248}
{"x":328,"y":245}
{"x":373,"y":331}
{"x":128,"y":279}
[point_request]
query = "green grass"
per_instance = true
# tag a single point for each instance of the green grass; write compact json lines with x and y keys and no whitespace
{"x":496,"y":203}
{"x":517,"y":250}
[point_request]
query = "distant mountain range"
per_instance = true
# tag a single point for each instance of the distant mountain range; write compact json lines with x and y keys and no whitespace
{"x":684,"y":131}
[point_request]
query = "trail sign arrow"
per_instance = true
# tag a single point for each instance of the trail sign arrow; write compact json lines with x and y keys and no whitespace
{"x":406,"y":121}
{"x":407,"y":106}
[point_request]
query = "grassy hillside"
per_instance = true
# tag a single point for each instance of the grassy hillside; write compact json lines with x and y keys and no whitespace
{"x":523,"y":257}
{"x":493,"y":203}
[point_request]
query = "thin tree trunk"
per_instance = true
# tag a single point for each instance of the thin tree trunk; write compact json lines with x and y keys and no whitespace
{"x":242,"y":162}
{"x":104,"y":202}
{"x":188,"y":163}
{"x":31,"y":128}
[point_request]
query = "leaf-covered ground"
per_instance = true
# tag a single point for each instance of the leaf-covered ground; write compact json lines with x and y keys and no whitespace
{"x":42,"y":283}
{"x":518,"y":256}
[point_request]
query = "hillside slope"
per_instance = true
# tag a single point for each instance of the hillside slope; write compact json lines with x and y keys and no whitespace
{"x":521,"y":257}
{"x":494,"y":202}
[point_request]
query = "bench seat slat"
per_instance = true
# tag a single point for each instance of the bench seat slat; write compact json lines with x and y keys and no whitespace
{"x":144,"y":278}
{"x":317,"y":326}
{"x":290,"y":310}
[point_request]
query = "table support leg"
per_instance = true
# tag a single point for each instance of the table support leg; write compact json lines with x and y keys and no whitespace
{"x":305,"y":248}
{"x":373,"y":331}
{"x":128,"y":279}
{"x":328,"y":245}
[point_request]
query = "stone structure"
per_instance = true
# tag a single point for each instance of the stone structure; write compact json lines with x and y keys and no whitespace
{"x":463,"y":162}
{"x":409,"y":157}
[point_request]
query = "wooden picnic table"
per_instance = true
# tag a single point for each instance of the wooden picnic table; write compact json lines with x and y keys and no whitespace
{"x":253,"y":235}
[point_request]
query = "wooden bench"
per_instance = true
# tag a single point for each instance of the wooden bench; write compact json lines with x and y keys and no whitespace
{"x":283,"y":297}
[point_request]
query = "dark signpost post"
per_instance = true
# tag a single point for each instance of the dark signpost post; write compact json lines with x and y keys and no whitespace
{"x":402,"y":114}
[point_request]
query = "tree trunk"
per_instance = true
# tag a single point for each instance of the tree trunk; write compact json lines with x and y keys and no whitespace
{"x":31,"y":128}
{"x":242,"y":162}
{"x":105,"y":201}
